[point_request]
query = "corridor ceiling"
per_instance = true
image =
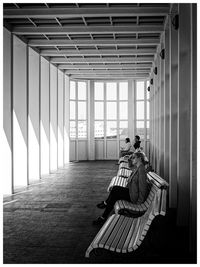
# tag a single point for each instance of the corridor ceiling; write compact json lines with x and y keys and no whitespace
{"x":91,"y":41}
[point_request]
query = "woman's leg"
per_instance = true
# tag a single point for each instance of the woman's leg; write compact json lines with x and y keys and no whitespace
{"x":116,"y":193}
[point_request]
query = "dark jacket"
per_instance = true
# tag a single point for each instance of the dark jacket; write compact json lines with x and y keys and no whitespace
{"x":137,"y":144}
{"x":137,"y":185}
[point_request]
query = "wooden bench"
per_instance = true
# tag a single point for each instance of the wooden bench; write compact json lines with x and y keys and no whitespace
{"x":127,"y":208}
{"x":124,"y":172}
{"x":124,"y":165}
{"x":117,"y":181}
{"x":125,"y":234}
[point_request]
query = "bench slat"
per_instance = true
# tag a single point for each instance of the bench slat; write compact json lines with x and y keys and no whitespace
{"x":119,"y":234}
{"x":108,"y":231}
{"x":131,"y":234}
{"x":157,"y":202}
{"x":115,"y":231}
{"x":163,"y":202}
{"x":124,"y":236}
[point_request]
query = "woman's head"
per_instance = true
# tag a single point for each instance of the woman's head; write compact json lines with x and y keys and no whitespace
{"x":127,"y":140}
{"x":137,"y":138}
{"x":138,"y":157}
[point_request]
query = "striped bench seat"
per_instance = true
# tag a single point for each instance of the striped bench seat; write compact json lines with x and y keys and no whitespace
{"x":117,"y":181}
{"x":124,"y":234}
{"x":124,"y":172}
{"x":127,"y":208}
{"x":124,"y":165}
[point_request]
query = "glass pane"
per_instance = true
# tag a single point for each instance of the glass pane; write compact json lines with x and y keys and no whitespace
{"x":140,"y":90}
{"x":82,"y":130}
{"x":123,"y":91}
{"x":140,"y":129}
{"x":81,"y":91}
{"x":72,"y":90}
{"x":99,"y":110}
{"x":72,"y":129}
{"x":98,"y":91}
{"x":140,"y":110}
{"x":111,"y":129}
{"x":147,"y":110}
{"x":111,"y":91}
{"x":72,"y":110}
{"x":123,"y":129}
{"x":111,"y":110}
{"x":147,"y":124}
{"x":99,"y":129}
{"x":123,"y":110}
{"x":82,"y":110}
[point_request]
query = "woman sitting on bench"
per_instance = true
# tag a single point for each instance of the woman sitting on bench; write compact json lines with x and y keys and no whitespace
{"x":135,"y":192}
{"x":126,"y":148}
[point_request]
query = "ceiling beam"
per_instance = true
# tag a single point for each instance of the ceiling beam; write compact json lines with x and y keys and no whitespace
{"x":110,"y":66}
{"x":94,"y":52}
{"x":120,"y":72}
{"x":109,"y":76}
{"x":19,"y":30}
{"x":103,"y":42}
{"x":101,"y":60}
{"x":85,"y":12}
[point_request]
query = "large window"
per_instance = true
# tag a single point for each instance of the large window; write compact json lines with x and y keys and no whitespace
{"x":142,"y":109}
{"x":111,"y":110}
{"x":78,"y":110}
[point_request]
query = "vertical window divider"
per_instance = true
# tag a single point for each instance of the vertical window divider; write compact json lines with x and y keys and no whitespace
{"x":76,"y":120}
{"x":105,"y":121}
{"x":118,"y":114}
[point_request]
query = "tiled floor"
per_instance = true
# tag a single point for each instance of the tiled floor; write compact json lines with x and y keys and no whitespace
{"x":51,"y":222}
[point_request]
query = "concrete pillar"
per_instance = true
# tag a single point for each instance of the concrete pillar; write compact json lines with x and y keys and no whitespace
{"x":173,"y":103}
{"x":66,"y":120}
{"x":7,"y":116}
{"x":20,"y":120}
{"x":53,"y":119}
{"x":60,"y":119}
{"x":184,"y":114}
{"x":161,"y":126}
{"x":193,"y":135}
{"x":44,"y":117}
{"x":33,"y":116}
{"x":166,"y":105}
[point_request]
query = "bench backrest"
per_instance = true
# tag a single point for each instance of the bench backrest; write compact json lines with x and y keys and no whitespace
{"x":155,"y":178}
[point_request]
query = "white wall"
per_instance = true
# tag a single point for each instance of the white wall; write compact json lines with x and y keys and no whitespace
{"x":33,"y":117}
{"x":53,"y":118}
{"x":44,"y":116}
{"x":19,"y":112}
{"x":6,"y":130}
{"x":60,"y":120}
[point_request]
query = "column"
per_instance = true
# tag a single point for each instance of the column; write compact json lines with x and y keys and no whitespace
{"x":91,"y":140}
{"x":173,"y":103}
{"x":184,"y":114}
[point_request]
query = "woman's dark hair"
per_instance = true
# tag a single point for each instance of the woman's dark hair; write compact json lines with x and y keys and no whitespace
{"x":137,"y":136}
{"x":139,"y":155}
{"x":127,"y":140}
